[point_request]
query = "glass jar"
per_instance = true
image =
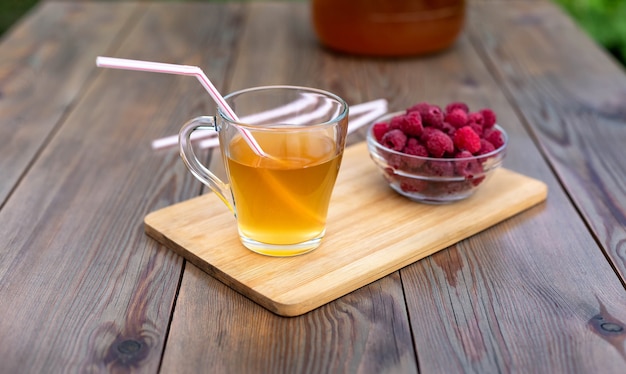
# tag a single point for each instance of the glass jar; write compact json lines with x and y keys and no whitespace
{"x":388,"y":27}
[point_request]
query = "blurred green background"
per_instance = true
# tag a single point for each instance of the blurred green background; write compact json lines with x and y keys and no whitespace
{"x":603,"y":20}
{"x":11,"y":10}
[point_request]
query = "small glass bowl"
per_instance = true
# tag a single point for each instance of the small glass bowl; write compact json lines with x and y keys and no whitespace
{"x":433,"y":180}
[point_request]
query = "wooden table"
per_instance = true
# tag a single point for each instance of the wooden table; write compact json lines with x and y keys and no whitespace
{"x":84,"y":289}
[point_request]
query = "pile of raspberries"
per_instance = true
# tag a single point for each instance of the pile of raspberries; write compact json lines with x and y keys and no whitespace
{"x":448,"y":135}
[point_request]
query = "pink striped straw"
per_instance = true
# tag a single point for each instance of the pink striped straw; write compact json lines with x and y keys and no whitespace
{"x":159,"y":67}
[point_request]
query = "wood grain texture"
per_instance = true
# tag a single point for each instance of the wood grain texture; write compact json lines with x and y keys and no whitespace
{"x":83,"y":289}
{"x":101,"y":292}
{"x":500,"y":300}
{"x":362,"y":244}
{"x":214,"y":327}
{"x":572,"y":96}
{"x":458,"y":74}
{"x":366,"y":344}
{"x":45,"y":64}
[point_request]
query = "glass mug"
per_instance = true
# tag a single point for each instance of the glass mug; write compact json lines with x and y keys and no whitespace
{"x":280,"y":195}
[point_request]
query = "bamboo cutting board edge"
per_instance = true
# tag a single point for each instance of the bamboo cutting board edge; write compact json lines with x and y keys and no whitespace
{"x":395,"y":257}
{"x":273,"y":283}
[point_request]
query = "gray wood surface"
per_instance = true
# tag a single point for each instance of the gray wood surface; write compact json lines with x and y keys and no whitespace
{"x":45,"y":64}
{"x":83,"y":289}
{"x":572,"y":97}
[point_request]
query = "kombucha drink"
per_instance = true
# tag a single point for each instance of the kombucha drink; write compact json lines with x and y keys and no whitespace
{"x":283,"y":200}
{"x":388,"y":27}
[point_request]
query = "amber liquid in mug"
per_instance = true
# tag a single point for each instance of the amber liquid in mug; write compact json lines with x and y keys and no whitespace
{"x":284,"y":201}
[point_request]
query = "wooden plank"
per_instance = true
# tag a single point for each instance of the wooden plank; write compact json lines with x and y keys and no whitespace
{"x":573,"y":98}
{"x":358,"y":248}
{"x":364,"y":331}
{"x":106,"y":291}
{"x":99,"y":292}
{"x":521,"y":295}
{"x":458,"y":74}
{"x":45,"y":64}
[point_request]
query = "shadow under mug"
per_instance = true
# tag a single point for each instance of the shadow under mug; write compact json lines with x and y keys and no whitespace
{"x":282,"y":156}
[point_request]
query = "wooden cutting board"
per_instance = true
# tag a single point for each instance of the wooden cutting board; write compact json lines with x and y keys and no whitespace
{"x":372,"y":232}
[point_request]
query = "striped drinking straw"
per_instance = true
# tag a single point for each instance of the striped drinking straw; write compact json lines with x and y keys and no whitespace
{"x":159,"y":67}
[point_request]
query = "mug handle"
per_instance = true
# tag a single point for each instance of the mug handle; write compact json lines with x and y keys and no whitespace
{"x":201,"y":172}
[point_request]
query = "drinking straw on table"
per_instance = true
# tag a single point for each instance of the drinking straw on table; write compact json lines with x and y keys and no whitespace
{"x":366,"y":112}
{"x":159,"y":67}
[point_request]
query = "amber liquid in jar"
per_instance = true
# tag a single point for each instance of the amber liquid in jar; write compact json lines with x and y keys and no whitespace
{"x":388,"y":27}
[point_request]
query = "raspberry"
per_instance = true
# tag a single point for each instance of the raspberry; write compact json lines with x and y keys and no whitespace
{"x":396,"y":122}
{"x":438,"y":143}
{"x":466,"y":139}
{"x":440,"y":168}
{"x":424,"y":130}
{"x":477,"y":181}
{"x":457,"y":118}
{"x":426,"y":133}
{"x":433,"y":117}
{"x":413,"y":147}
{"x":494,"y":136}
{"x":448,"y":128}
{"x":478,"y":129}
{"x":394,"y":139}
{"x":453,"y":188}
{"x":489,"y":117}
{"x":412,"y":184}
{"x":476,"y":117}
{"x":394,"y":160}
{"x":457,"y":105}
{"x":463,"y":154}
{"x":431,"y":114}
{"x":419,"y":107}
{"x":452,"y":137}
{"x":412,"y":125}
{"x":379,"y":129}
{"x":485,"y":147}
{"x":467,"y":167}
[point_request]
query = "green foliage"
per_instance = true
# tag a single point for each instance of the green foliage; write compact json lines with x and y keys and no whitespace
{"x":604,"y":20}
{"x":11,"y":10}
